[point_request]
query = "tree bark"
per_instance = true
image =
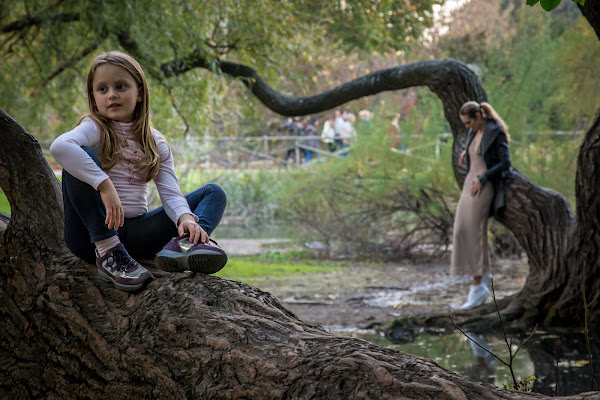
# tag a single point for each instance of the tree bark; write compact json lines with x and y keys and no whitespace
{"x":35,"y":231}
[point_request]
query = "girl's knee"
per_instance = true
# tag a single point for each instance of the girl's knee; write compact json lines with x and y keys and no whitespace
{"x":217,"y":191}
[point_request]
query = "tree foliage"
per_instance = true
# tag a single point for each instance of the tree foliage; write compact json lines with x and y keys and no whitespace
{"x":45,"y":48}
{"x":550,"y":5}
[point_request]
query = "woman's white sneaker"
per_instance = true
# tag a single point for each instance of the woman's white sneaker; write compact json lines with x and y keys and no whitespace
{"x":477,"y":296}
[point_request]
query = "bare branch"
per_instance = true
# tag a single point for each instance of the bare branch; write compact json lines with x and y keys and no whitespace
{"x":474,"y":341}
{"x":526,"y":340}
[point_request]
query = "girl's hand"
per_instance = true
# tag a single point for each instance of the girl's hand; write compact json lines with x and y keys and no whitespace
{"x":115,"y":217}
{"x":187,"y":224}
{"x":461,"y":159}
{"x":475,"y":187}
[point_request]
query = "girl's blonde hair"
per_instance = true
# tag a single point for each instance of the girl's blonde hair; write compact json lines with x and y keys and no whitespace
{"x":471,"y":108}
{"x":141,"y":127}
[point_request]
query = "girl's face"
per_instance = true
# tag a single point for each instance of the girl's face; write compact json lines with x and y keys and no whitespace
{"x":116,"y":93}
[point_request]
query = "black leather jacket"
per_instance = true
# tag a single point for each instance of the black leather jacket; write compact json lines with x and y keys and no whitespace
{"x":494,"y":148}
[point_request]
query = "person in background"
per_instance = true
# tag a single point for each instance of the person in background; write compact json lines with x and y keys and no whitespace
{"x":108,"y":160}
{"x":328,"y":134}
{"x":310,"y":129}
{"x":364,"y":125}
{"x":338,"y":128}
{"x":487,"y":160}
{"x":348,"y":133}
{"x":366,"y":116}
{"x":293,"y":127}
{"x":394,"y":133}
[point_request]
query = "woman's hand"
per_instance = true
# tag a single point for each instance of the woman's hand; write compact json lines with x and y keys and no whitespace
{"x":115,"y":217}
{"x":187,"y":224}
{"x":461,"y":159}
{"x":475,"y":187}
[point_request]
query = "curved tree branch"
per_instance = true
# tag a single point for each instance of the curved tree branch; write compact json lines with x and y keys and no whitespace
{"x":27,"y":21}
{"x":33,"y":238}
{"x":427,"y":73}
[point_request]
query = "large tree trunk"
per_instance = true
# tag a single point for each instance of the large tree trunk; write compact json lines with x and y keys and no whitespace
{"x":67,"y":334}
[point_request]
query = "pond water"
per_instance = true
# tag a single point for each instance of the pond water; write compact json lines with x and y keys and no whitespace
{"x":457,"y":353}
{"x":236,"y":231}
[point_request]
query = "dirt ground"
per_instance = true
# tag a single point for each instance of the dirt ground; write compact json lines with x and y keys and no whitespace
{"x":361,"y":296}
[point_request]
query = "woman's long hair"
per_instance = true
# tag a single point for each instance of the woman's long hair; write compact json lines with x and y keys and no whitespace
{"x":141,"y":127}
{"x":471,"y":108}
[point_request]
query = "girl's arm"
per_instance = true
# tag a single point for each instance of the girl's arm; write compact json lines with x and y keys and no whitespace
{"x":115,"y":216}
{"x":187,"y":224}
{"x":167,"y":184}
{"x":67,"y":151}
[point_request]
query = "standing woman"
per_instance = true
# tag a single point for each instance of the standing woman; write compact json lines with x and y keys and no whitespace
{"x":487,"y":160}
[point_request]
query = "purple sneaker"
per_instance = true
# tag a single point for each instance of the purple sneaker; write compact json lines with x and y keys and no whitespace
{"x":124,"y":272}
{"x":182,"y":255}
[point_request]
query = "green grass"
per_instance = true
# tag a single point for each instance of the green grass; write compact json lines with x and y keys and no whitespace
{"x":247,"y":269}
{"x":4,"y":205}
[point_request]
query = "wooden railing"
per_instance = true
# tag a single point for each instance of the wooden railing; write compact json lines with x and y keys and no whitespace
{"x":233,"y":152}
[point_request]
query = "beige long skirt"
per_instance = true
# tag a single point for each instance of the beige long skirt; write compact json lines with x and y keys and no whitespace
{"x":469,"y":240}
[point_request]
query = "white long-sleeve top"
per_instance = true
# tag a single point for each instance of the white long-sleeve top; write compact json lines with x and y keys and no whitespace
{"x":328,"y":133}
{"x":125,"y":175}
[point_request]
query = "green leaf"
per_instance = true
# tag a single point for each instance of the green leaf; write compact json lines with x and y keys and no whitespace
{"x":532,"y":2}
{"x":549,"y":5}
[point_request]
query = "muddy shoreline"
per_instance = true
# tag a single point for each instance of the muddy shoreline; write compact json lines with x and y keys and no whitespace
{"x":370,"y":296}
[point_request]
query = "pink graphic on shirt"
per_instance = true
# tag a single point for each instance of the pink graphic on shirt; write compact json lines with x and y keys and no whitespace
{"x":132,"y":156}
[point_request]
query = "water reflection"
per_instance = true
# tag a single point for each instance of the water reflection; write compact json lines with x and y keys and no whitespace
{"x":538,"y":358}
{"x":483,"y":368}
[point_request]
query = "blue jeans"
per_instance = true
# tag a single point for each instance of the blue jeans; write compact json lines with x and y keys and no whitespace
{"x":308,"y":156}
{"x":142,"y":236}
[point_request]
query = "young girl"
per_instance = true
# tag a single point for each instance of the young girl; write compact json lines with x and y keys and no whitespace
{"x":107,"y":161}
{"x":487,"y":160}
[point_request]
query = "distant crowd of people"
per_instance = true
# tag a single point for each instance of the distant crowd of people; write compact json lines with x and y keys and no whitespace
{"x":338,"y":133}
